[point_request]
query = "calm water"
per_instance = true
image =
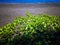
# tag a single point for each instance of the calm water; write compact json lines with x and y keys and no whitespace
{"x":8,"y":12}
{"x":29,"y":1}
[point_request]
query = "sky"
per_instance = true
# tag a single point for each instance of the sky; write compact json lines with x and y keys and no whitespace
{"x":29,"y":1}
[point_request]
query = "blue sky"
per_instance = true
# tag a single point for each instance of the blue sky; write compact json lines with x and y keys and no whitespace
{"x":29,"y":1}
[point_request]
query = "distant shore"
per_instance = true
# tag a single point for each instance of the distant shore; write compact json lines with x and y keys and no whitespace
{"x":8,"y":12}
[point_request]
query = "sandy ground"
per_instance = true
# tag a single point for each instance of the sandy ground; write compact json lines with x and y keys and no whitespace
{"x":8,"y":12}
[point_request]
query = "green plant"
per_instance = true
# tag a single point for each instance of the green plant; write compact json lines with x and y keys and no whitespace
{"x":30,"y":30}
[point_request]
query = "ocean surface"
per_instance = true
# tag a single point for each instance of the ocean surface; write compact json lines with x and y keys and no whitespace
{"x":29,"y":1}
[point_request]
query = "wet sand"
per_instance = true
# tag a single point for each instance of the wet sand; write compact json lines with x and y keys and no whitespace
{"x":8,"y":12}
